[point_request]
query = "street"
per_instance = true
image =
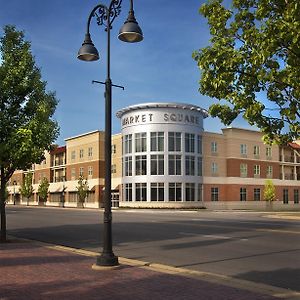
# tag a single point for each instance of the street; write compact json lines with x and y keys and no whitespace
{"x":244,"y":245}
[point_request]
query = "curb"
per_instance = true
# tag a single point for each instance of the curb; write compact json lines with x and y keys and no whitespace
{"x":166,"y":269}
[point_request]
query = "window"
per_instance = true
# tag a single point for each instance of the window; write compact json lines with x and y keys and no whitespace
{"x":113,"y":149}
{"x":81,"y":153}
{"x":256,"y":170}
{"x":81,"y":171}
{"x":199,"y":192}
{"x":189,"y":142}
{"x":157,"y":141}
{"x":175,"y":191}
{"x":285,"y":196}
{"x":174,"y":164}
{"x":141,"y":165}
{"x":157,"y":191}
{"x":243,"y":149}
{"x":256,"y":194}
{"x":296,"y":196}
{"x":269,"y":171}
{"x":190,"y":165}
{"x":214,"y":168}
{"x":90,"y":152}
{"x":72,"y":155}
{"x":128,"y":166}
{"x":90,"y":171}
{"x":73,"y":173}
{"x":214,"y":194}
{"x":141,"y":191}
{"x":268,"y":152}
{"x":174,"y":141}
{"x":243,"y":194}
{"x":190,"y":192}
{"x":199,"y":144}
{"x":213,"y":147}
{"x":157,"y":165}
{"x":128,"y":192}
{"x":128,"y":143}
{"x":113,"y":169}
{"x":199,"y":166}
{"x":243,"y":170}
{"x":141,"y":142}
{"x":256,"y":151}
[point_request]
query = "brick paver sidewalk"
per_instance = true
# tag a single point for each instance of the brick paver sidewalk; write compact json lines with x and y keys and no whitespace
{"x":29,"y":270}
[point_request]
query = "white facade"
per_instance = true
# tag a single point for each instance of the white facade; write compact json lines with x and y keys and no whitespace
{"x":162,"y":152}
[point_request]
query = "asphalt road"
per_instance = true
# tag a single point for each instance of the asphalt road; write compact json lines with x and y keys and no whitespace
{"x":243,"y":245}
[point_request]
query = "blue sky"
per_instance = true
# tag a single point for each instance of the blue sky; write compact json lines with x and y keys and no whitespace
{"x":159,"y":69}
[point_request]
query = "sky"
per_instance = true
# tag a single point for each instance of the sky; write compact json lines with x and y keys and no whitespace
{"x":158,"y":69}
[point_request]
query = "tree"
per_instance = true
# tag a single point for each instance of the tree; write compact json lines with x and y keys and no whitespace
{"x":269,"y":191}
{"x":82,"y":189}
{"x":26,"y":110}
{"x":27,"y":188}
{"x":43,"y":189}
{"x":252,"y":65}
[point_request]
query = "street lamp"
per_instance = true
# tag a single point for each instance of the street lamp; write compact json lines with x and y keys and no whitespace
{"x":130,"y":32}
{"x":14,"y":184}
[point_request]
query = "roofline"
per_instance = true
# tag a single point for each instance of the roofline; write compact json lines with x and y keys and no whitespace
{"x":186,"y":106}
{"x":83,"y":134}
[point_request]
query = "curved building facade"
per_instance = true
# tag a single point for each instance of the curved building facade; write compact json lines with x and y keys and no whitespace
{"x":162,"y":154}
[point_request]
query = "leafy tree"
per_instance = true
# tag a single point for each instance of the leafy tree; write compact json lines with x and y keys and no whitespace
{"x":26,"y":109}
{"x":252,"y":64}
{"x":82,"y":189}
{"x":43,"y":189}
{"x":27,"y":188}
{"x":269,"y":191}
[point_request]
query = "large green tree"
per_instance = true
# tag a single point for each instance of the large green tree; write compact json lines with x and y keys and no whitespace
{"x":26,"y":110}
{"x":27,"y":188}
{"x":252,"y":64}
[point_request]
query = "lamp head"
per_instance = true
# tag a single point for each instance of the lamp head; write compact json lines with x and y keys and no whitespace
{"x":131,"y":32}
{"x":88,"y":51}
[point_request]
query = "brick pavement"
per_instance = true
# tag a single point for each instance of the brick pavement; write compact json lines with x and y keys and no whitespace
{"x":30,"y":271}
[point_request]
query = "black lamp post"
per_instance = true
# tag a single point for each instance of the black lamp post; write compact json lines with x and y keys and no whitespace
{"x":130,"y":32}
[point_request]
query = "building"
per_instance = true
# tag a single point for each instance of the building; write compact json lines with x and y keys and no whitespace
{"x":164,"y":158}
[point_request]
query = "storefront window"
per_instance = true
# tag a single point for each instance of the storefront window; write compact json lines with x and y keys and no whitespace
{"x":157,"y":191}
{"x":174,"y":164}
{"x":175,"y":191}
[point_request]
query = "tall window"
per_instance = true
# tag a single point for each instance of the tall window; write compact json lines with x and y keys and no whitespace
{"x":128,"y":166}
{"x":175,"y":191}
{"x":141,"y":142}
{"x":90,"y":171}
{"x":256,"y":170}
{"x":113,"y":149}
{"x":269,"y":152}
{"x":113,"y":168}
{"x":256,"y":150}
{"x":199,"y":166}
{"x":73,"y":155}
{"x":214,"y":194}
{"x":269,"y":171}
{"x":128,"y":143}
{"x":296,"y":196}
{"x":243,"y":194}
{"x":243,"y":170}
{"x":128,"y":192}
{"x":174,"y":164}
{"x":190,"y":165}
{"x":81,"y":171}
{"x":199,"y":144}
{"x":189,"y":142}
{"x":90,"y":152}
{"x":73,"y":173}
{"x":141,"y":191}
{"x":214,"y":168}
{"x":81,"y":153}
{"x":213,"y":147}
{"x":174,"y":141}
{"x":199,"y":192}
{"x":285,"y":196}
{"x":141,"y":165}
{"x":157,"y":164}
{"x":157,"y":191}
{"x":256,"y":194}
{"x":157,"y":141}
{"x":243,"y":149}
{"x":190,"y":192}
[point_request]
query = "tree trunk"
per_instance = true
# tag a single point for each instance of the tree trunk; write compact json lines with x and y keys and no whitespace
{"x":2,"y":212}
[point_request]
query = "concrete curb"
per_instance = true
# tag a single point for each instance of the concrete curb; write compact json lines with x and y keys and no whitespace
{"x":166,"y":269}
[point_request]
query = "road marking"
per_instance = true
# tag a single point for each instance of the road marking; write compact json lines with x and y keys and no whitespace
{"x":278,"y":230}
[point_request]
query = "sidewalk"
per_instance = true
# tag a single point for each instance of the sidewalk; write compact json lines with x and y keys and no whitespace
{"x":31,"y":270}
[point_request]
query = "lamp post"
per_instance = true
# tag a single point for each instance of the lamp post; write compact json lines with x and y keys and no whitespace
{"x":14,"y":184}
{"x":130,"y":32}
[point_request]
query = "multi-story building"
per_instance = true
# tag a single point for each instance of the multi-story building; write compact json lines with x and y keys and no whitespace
{"x":163,"y":158}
